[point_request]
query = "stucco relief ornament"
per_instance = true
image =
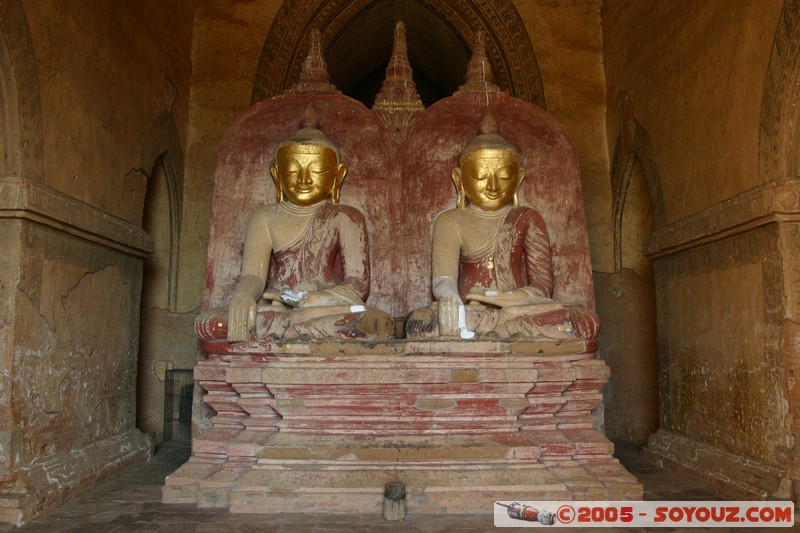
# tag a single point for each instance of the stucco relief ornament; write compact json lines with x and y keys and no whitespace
{"x":305,"y":266}
{"x":398,"y":104}
{"x":492,"y":264}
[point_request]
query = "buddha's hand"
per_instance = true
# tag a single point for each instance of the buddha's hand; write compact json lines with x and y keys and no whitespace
{"x":501,"y":298}
{"x":319,"y":299}
{"x":448,"y":316}
{"x":241,"y":317}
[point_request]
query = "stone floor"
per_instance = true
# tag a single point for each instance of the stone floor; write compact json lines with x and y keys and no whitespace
{"x":132,"y":502}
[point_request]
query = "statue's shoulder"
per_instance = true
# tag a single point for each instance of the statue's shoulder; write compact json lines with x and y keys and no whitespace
{"x":451,"y":222}
{"x":523,"y":211}
{"x":527,"y":216}
{"x":263,"y":213}
{"x":341,"y":211}
{"x":452,"y":215}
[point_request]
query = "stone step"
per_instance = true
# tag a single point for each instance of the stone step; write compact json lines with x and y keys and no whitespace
{"x":181,"y":486}
{"x":386,"y":450}
{"x":12,"y":505}
{"x":398,"y":427}
{"x":12,"y":500}
{"x":427,"y":491}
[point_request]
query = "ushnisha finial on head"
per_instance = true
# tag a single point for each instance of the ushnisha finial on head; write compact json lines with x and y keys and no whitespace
{"x":488,"y":138}
{"x":309,"y":118}
{"x":488,"y":124}
{"x":309,"y":132}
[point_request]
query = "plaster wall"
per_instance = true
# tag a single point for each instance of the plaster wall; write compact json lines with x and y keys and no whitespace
{"x":11,"y":236}
{"x":167,"y":341}
{"x":72,"y":282}
{"x":695,"y":72}
{"x":722,"y":372}
{"x":115,"y":97}
{"x":107,"y":73}
{"x":627,"y":342}
{"x":167,"y":338}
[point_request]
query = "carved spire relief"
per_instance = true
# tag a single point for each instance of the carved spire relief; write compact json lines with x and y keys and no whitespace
{"x":314,"y":74}
{"x":398,"y":103}
{"x":480,"y":78}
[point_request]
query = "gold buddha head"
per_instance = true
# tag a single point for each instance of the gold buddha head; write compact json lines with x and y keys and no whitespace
{"x":489,"y":170}
{"x":307,"y":170}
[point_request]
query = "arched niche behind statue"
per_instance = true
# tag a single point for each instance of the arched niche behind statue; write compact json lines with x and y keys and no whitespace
{"x":243,"y":182}
{"x":552,"y":184}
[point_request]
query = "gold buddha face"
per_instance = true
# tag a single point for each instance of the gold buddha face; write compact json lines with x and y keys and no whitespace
{"x":306,"y":174}
{"x":488,"y":178}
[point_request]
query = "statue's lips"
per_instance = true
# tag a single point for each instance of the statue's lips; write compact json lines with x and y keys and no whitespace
{"x":303,"y":190}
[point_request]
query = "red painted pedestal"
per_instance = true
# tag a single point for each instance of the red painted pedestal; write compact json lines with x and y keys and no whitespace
{"x":323,"y":427}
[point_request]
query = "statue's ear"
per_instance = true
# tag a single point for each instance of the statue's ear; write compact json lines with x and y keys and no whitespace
{"x":520,"y":177}
{"x":341,"y":172}
{"x":273,"y":170}
{"x":460,"y":198}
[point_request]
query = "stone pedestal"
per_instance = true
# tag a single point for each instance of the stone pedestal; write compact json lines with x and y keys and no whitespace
{"x":324,"y":427}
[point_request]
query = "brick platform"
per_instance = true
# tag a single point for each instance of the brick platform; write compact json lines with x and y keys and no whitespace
{"x":326,"y":426}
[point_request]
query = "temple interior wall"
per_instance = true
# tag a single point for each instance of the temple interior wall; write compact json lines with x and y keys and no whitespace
{"x":113,"y":103}
{"x":105,"y":78}
{"x":696,"y":74}
{"x":119,"y":86}
{"x":97,"y":93}
{"x":71,"y":383}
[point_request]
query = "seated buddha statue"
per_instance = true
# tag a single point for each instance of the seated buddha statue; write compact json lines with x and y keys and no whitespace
{"x":305,"y":265}
{"x":492,"y":265}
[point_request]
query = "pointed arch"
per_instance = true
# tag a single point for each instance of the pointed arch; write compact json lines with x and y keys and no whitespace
{"x":162,"y":220}
{"x":9,"y":117}
{"x":20,"y":106}
{"x":508,"y":46}
{"x":779,"y":136}
{"x":627,"y":296}
{"x":633,"y":145}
